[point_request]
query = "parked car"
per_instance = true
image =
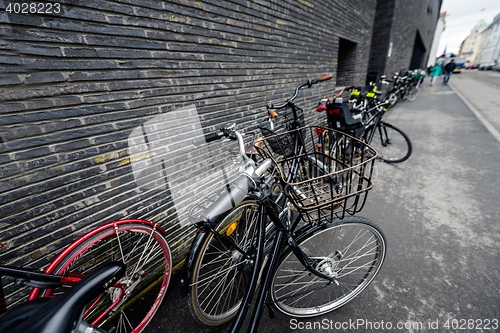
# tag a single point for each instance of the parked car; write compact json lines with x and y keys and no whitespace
{"x":496,"y":67}
{"x":486,"y":66}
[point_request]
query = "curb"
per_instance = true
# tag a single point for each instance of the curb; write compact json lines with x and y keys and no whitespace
{"x":479,"y":116}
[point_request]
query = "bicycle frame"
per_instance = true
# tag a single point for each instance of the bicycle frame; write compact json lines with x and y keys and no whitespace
{"x":283,"y":233}
{"x":64,"y":313}
{"x":36,"y":279}
{"x":40,"y":279}
{"x":377,"y":120}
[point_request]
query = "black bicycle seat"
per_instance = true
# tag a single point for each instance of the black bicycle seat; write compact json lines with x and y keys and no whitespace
{"x":59,"y":314}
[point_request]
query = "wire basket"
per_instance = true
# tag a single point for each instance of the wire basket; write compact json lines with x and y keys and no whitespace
{"x":328,"y":173}
{"x":284,"y":123}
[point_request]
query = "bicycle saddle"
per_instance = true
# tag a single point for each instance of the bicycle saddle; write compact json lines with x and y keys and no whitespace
{"x":59,"y":314}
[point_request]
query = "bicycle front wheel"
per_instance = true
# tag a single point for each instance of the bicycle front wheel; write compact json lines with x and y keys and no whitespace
{"x":130,"y":304}
{"x":351,"y":251}
{"x":221,"y":275}
{"x":391,"y":143}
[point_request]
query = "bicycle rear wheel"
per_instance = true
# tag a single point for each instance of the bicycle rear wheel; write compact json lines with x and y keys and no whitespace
{"x":220,"y":275}
{"x":391,"y":143}
{"x":392,"y":99}
{"x":411,"y":93}
{"x":351,"y":250}
{"x":339,"y":153}
{"x":131,"y":303}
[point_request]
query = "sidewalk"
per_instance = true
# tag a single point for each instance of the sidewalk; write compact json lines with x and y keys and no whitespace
{"x":480,"y":90}
{"x":439,"y":213}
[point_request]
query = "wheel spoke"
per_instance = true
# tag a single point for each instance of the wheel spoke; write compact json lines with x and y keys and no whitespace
{"x":221,"y":273}
{"x":140,"y":247}
{"x":350,"y":250}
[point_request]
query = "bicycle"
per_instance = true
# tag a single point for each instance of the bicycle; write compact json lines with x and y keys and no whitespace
{"x":111,"y":279}
{"x":404,"y":88}
{"x":198,"y":275}
{"x":317,"y":202}
{"x":416,"y":78}
{"x":366,"y":124}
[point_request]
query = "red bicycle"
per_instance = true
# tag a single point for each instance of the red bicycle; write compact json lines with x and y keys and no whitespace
{"x":111,"y":279}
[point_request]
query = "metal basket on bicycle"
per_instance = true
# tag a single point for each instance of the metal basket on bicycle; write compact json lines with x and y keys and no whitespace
{"x":283,"y":124}
{"x":328,"y":172}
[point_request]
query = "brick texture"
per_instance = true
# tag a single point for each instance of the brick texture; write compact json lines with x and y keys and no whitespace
{"x":74,"y":86}
{"x":399,"y":22}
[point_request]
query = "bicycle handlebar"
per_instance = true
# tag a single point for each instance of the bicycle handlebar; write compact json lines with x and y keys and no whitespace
{"x":307,"y":84}
{"x":208,"y":138}
{"x":325,"y":77}
{"x":272,"y":113}
{"x":229,"y":132}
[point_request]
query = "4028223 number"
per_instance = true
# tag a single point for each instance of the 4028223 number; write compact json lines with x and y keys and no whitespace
{"x":33,"y":8}
{"x":471,"y":324}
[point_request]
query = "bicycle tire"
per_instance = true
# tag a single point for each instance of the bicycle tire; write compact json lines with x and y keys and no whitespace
{"x":334,"y":146}
{"x":392,"y":99}
{"x":391,"y":143}
{"x":220,"y":276}
{"x":341,"y":150}
{"x":142,"y":246}
{"x":352,"y":249}
{"x":411,"y":93}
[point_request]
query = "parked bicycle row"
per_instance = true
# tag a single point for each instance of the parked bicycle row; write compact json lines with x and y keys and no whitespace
{"x":404,"y":85}
{"x":283,"y":234}
{"x":358,"y":111}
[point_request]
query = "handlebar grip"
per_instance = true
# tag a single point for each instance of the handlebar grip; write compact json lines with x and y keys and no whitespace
{"x":325,"y":77}
{"x":213,"y":136}
{"x":272,"y":113}
{"x":207,"y":138}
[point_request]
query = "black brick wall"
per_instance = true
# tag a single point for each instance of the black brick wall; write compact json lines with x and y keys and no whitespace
{"x":73,"y":86}
{"x":399,"y":21}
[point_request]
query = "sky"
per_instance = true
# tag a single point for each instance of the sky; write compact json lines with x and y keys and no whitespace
{"x":461,"y":17}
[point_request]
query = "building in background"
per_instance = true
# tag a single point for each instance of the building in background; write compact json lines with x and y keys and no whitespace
{"x":470,"y":48}
{"x":402,"y":35}
{"x":490,"y":47}
{"x":440,"y":26}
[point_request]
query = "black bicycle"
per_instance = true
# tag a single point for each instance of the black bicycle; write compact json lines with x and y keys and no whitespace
{"x":313,"y":262}
{"x":365,"y":123}
{"x":405,"y":87}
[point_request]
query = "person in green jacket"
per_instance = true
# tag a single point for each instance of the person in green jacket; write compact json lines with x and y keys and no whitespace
{"x":435,"y":72}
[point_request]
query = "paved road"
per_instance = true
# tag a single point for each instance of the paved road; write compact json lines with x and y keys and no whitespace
{"x":482,"y":90}
{"x":439,"y":211}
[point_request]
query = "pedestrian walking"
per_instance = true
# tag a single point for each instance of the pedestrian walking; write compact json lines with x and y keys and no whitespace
{"x":435,"y":71}
{"x":448,"y":70}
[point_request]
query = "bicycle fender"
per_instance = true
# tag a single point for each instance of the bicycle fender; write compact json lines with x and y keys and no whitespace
{"x":187,"y":270}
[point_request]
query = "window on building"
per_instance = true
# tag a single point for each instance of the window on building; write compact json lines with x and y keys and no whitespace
{"x":346,"y":62}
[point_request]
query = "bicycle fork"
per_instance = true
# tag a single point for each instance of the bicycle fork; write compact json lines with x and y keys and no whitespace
{"x":384,"y":138}
{"x":282,"y":234}
{"x":265,"y":210}
{"x":259,"y":256}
